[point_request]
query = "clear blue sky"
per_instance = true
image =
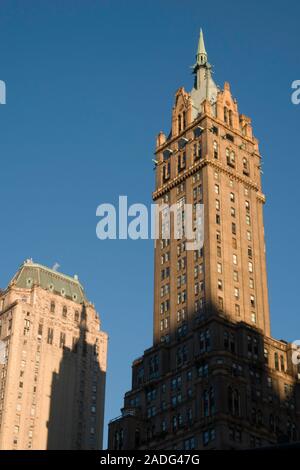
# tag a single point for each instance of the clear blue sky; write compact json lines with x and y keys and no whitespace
{"x":89,"y":84}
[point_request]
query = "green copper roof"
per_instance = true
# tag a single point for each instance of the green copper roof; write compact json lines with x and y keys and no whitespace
{"x":31,"y":274}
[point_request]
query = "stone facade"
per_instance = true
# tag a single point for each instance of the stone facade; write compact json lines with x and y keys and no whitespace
{"x":214,"y":378}
{"x":53,"y":363}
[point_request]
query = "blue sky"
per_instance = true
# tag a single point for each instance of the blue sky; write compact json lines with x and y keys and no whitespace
{"x":89,"y":85}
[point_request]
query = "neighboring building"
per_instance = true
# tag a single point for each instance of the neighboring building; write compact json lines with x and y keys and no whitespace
{"x":214,"y":378}
{"x":52,"y":363}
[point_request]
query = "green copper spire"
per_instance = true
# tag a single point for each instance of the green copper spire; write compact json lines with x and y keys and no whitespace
{"x":204,"y":85}
{"x":201,"y":51}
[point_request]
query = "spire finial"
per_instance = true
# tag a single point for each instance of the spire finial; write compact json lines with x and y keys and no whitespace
{"x":201,"y":51}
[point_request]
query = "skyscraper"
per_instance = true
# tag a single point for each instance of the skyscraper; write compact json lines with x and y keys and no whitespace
{"x":52,"y":363}
{"x":214,"y":377}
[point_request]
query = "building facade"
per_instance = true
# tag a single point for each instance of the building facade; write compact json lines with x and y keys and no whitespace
{"x":214,"y":378}
{"x":52,"y":363}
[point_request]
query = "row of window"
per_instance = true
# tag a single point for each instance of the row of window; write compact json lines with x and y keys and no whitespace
{"x":64,"y":311}
{"x":197,"y":154}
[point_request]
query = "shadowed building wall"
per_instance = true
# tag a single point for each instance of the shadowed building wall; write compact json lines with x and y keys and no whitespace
{"x":214,"y":378}
{"x":54,"y":363}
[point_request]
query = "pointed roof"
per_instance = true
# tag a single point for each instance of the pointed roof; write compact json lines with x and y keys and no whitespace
{"x":31,"y":273}
{"x":201,"y":46}
{"x":204,"y":85}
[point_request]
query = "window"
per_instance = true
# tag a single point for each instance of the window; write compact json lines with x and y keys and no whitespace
{"x":233,"y":402}
{"x":220,"y":303}
{"x":219,"y":268}
{"x":217,"y":204}
{"x":266,"y":356}
{"x":230,"y":157}
{"x":253,"y":317}
{"x":26,"y":327}
{"x":52,"y":307}
{"x":197,"y":151}
{"x":220,"y":284}
{"x":62,"y":340}
{"x":252,"y":301}
{"x":64,"y":311}
{"x":236,"y":293}
{"x":248,"y":220}
{"x":181,"y":162}
{"x":234,"y":243}
{"x":249,"y":236}
{"x":208,"y":436}
{"x":250,"y":267}
{"x":166,"y":171}
{"x":232,"y":197}
{"x":234,"y":259}
{"x":50,"y":336}
{"x":204,"y":341}
{"x":225,"y":114}
{"x":208,"y":402}
{"x":237,"y":310}
{"x":245,"y":166}
{"x":276,"y":361}
{"x":282,"y":368}
{"x":232,"y":211}
{"x":179,"y":123}
{"x":217,"y":189}
{"x":216,"y":150}
{"x":218,"y":219}
{"x":251,"y":283}
{"x":181,"y":188}
{"x":235,"y":276}
{"x":233,"y":228}
{"x":226,"y":340}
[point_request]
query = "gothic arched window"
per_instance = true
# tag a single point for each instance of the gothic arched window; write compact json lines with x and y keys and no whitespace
{"x":225,"y":114}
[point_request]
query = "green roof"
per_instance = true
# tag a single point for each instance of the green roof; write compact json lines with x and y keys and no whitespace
{"x":31,"y":274}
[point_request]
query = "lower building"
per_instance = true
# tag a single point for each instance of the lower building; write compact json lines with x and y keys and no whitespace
{"x":228,"y":387}
{"x":52,"y":363}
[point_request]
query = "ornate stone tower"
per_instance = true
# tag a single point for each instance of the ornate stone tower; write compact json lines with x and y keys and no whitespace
{"x":214,"y":377}
{"x":213,"y":158}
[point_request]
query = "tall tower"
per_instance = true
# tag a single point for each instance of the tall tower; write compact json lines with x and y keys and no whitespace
{"x":52,"y":363}
{"x":211,"y":157}
{"x":214,"y":378}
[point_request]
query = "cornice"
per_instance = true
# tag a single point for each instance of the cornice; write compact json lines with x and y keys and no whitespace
{"x":207,"y":162}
